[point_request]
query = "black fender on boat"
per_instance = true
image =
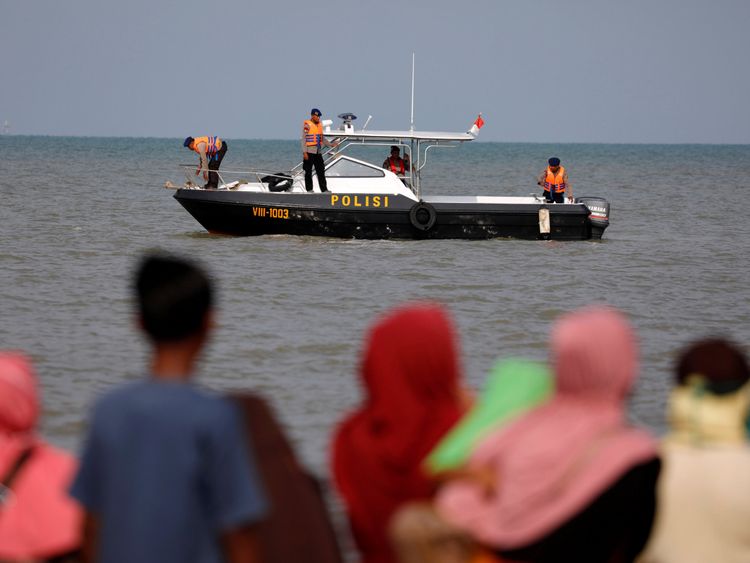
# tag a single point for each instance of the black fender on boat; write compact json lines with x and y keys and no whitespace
{"x":279,"y":182}
{"x":422,"y":216}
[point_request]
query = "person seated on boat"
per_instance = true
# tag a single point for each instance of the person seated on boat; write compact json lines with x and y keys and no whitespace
{"x":211,"y":151}
{"x":395,"y":163}
{"x":313,"y":142}
{"x":555,"y":182}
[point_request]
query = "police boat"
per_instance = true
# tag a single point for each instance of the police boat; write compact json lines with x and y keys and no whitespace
{"x":366,"y":201}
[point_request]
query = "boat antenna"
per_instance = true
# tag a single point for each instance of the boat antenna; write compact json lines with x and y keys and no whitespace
{"x":411,"y":128}
{"x":369,"y":117}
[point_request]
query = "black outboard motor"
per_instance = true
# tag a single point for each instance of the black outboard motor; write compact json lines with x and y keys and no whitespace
{"x":599,"y":217}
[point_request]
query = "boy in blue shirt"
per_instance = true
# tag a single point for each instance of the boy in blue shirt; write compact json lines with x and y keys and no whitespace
{"x":165,"y":474}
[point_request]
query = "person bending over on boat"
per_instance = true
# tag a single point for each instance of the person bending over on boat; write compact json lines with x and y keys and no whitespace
{"x":211,"y":151}
{"x":312,"y":143}
{"x":555,"y":182}
{"x":166,"y":475}
{"x":395,"y":163}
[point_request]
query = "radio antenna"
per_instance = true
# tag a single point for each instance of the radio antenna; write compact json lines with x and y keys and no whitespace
{"x":412,"y":93}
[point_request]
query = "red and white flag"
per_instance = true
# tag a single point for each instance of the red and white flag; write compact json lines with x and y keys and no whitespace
{"x":477,"y":126}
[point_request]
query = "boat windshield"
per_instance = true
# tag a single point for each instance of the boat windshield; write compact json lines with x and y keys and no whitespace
{"x":345,"y":168}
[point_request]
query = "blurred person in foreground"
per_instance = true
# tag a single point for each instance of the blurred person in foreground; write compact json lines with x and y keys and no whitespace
{"x":569,"y":480}
{"x":704,"y":489}
{"x":411,"y":378}
{"x":38,"y":521}
{"x":513,"y":387}
{"x":166,"y":475}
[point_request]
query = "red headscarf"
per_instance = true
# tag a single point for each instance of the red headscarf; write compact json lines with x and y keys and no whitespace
{"x":38,"y":519}
{"x":554,"y":461}
{"x":410,"y":373}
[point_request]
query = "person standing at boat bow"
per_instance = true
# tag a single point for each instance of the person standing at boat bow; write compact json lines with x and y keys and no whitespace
{"x":555,"y":182}
{"x":211,"y":151}
{"x":312,"y":144}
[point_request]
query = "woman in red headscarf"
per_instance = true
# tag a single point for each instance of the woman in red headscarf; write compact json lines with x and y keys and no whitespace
{"x":411,"y":379}
{"x":37,"y":518}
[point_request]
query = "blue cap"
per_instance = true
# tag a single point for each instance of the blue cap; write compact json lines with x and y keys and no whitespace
{"x":554,"y":161}
{"x":315,"y":111}
{"x":187,"y":142}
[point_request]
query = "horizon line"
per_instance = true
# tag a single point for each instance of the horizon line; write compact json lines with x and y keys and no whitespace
{"x":477,"y":141}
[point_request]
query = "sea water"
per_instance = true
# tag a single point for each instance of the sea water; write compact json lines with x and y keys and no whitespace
{"x":77,"y":213}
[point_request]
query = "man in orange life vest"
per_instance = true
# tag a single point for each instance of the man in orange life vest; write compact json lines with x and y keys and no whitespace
{"x":555,"y":182}
{"x":395,"y":163}
{"x":211,"y":151}
{"x":312,"y":143}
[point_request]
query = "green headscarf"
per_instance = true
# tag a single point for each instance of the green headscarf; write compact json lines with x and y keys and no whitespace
{"x":513,"y":387}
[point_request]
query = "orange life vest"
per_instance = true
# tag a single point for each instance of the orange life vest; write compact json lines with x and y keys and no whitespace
{"x":213,"y":144}
{"x":313,"y":133}
{"x":395,"y":167}
{"x":555,"y":182}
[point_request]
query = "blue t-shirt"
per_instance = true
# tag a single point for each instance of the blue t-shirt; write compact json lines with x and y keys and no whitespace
{"x":166,"y":469}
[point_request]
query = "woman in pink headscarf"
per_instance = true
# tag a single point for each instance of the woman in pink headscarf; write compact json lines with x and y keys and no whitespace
{"x":38,"y":520}
{"x":572,"y":481}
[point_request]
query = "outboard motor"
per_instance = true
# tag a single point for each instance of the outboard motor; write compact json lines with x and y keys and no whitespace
{"x":599,"y":214}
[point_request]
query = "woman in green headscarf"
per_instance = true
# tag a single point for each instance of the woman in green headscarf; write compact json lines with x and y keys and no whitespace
{"x":704,"y":487}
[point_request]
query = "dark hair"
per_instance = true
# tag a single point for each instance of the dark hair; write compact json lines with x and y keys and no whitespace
{"x":173,"y":297}
{"x":554,"y":161}
{"x":718,"y":361}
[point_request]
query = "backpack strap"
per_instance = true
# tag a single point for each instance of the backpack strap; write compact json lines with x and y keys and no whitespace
{"x":10,"y":476}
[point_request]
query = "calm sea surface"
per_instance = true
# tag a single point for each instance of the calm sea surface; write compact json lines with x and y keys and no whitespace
{"x":77,"y":213}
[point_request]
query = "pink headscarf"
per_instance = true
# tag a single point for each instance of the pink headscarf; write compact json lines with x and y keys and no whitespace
{"x":38,"y":519}
{"x":553,"y":462}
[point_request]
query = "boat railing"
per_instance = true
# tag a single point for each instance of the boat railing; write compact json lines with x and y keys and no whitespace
{"x":328,"y":155}
{"x":242,"y":176}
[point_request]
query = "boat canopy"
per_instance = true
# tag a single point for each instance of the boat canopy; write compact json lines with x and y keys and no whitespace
{"x":434,"y":136}
{"x":418,"y":143}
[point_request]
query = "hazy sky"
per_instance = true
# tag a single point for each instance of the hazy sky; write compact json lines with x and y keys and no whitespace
{"x":539,"y":70}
